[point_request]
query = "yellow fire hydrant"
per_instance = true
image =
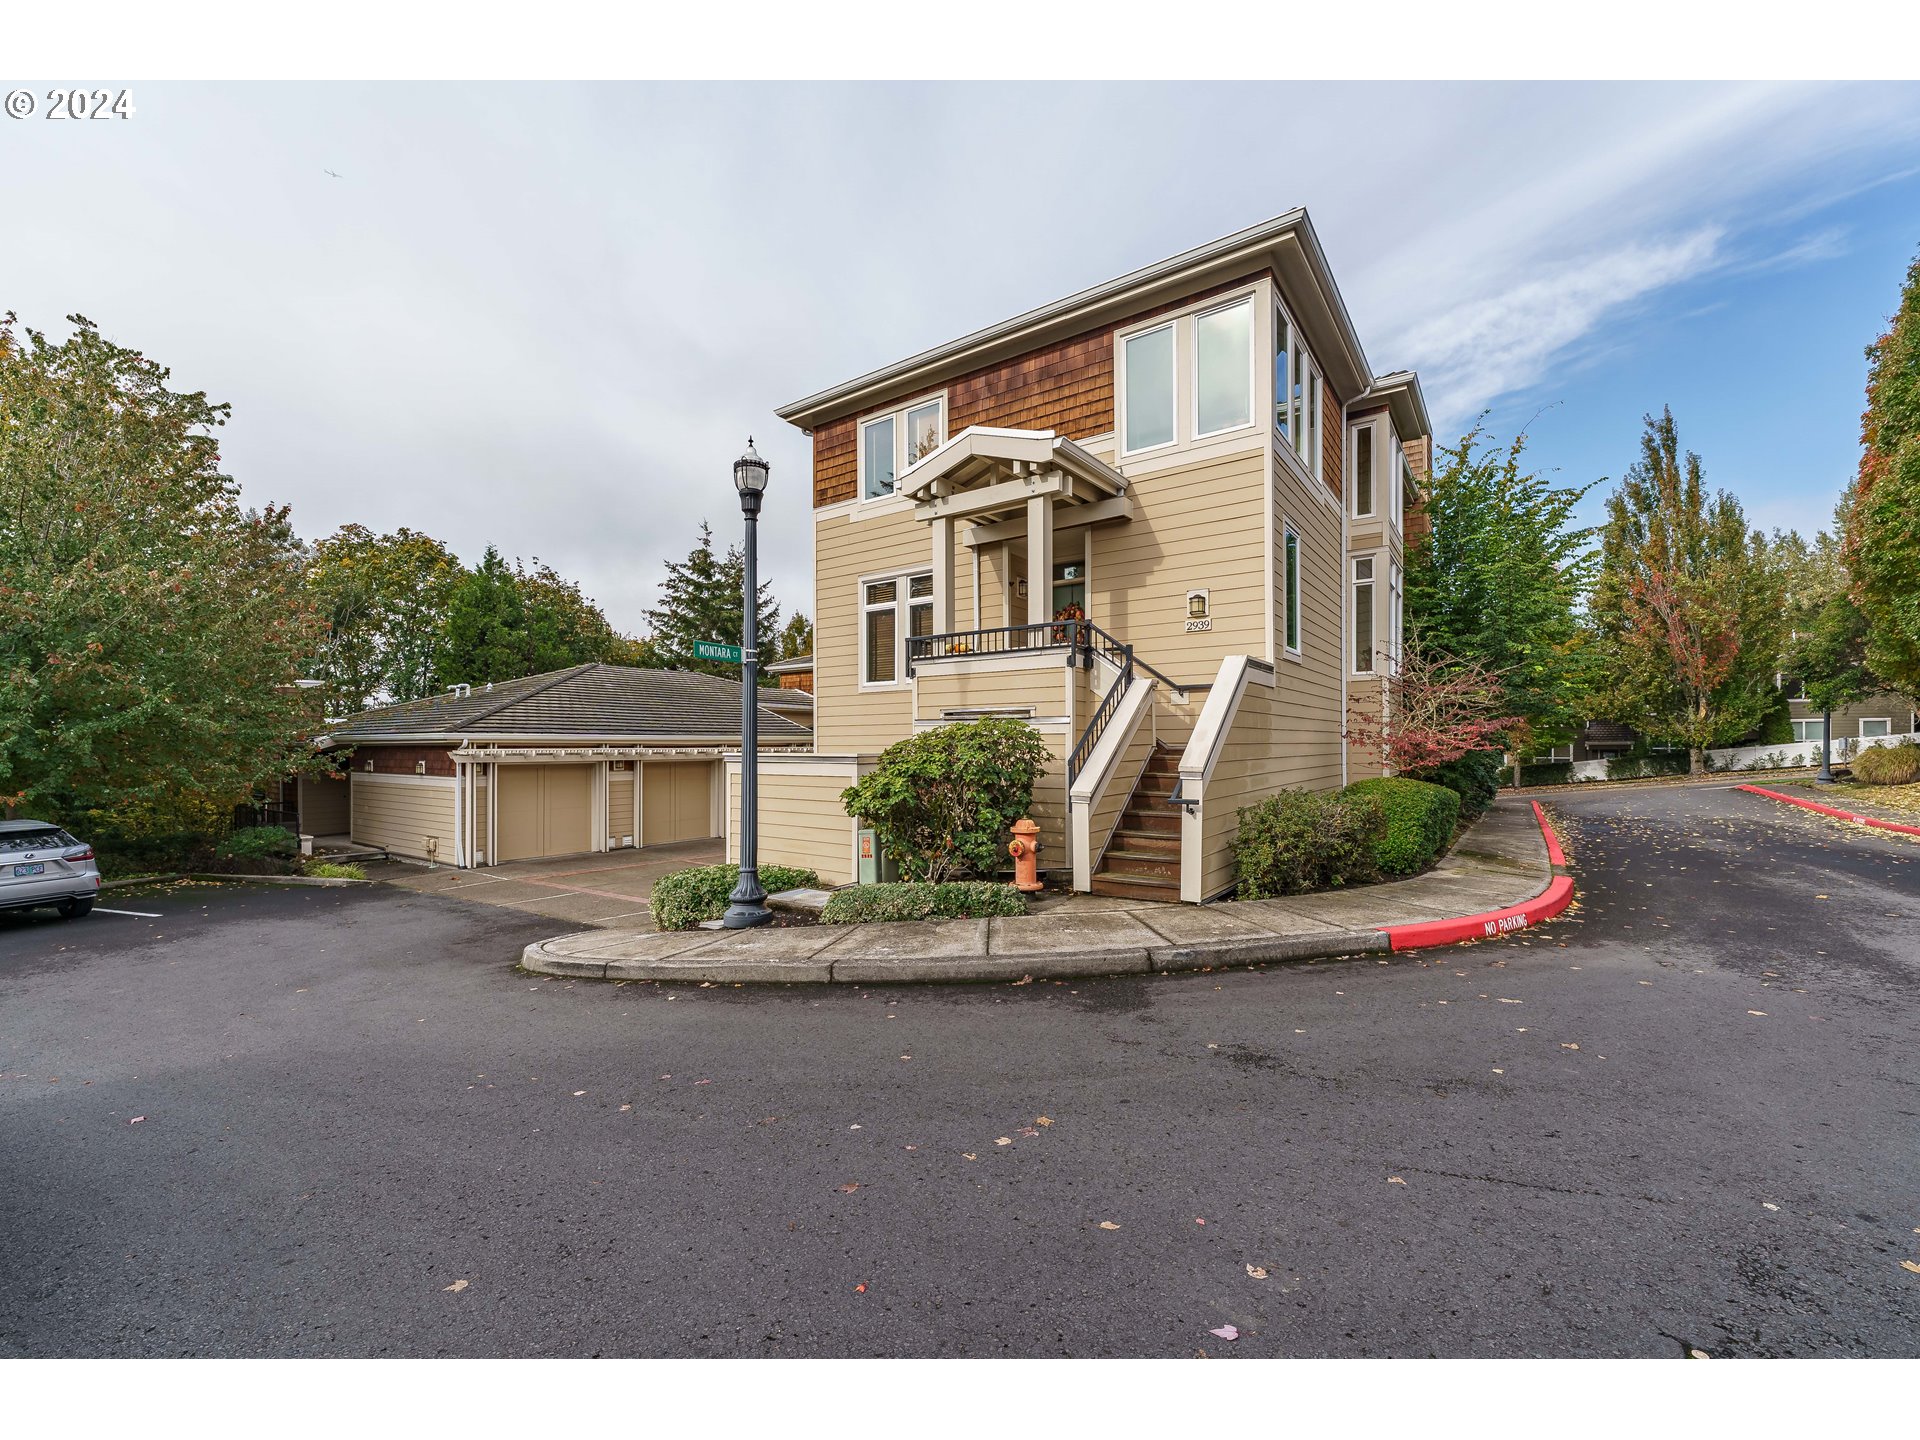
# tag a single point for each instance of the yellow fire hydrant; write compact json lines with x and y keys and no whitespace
{"x":1025,"y":851}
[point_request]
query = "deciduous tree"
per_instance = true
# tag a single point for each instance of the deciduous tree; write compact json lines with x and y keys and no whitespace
{"x":1883,"y":530}
{"x":385,"y":601}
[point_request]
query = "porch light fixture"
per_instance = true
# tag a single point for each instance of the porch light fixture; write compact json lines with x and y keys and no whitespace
{"x":747,"y":905}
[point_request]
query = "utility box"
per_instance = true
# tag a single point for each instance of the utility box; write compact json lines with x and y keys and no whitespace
{"x":875,"y":867}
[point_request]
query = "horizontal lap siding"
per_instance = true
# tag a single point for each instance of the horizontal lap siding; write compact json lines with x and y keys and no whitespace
{"x":1253,"y":764}
{"x":482,"y":832}
{"x":1049,"y":809}
{"x":1364,"y":699}
{"x":620,"y":807}
{"x":1044,"y":690}
{"x":1199,"y":527}
{"x":802,"y":822}
{"x":848,"y":719}
{"x":1308,"y":707}
{"x":399,"y":814}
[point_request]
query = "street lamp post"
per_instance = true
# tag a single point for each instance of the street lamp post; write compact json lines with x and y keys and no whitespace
{"x":747,"y":905}
{"x":1825,"y":777}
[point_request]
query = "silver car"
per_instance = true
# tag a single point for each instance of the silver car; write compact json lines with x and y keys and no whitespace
{"x":41,"y":864}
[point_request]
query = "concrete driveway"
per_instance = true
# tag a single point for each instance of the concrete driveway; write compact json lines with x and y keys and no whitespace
{"x":610,"y":890}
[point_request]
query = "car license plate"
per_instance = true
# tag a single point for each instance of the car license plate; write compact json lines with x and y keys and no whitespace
{"x":38,"y":868}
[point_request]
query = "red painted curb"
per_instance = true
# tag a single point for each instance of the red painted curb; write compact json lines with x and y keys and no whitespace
{"x":1489,"y":923}
{"x":1837,"y":814}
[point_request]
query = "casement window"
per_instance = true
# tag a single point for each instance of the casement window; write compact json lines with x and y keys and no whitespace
{"x":1291,"y":561}
{"x":1363,"y":615}
{"x":1402,"y":482}
{"x":1147,"y":396}
{"x":1871,"y":728}
{"x":1296,"y":394}
{"x":884,"y":630}
{"x":1809,"y":730}
{"x":1395,"y":607}
{"x":1223,"y":368}
{"x":1363,"y":475}
{"x":891,"y":443}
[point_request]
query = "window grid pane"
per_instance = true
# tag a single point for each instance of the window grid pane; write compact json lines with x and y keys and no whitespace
{"x":923,"y":431}
{"x":1363,"y":627}
{"x":1363,"y":471}
{"x":1223,"y":348}
{"x":877,"y":440}
{"x":881,"y":627}
{"x":1149,"y":394}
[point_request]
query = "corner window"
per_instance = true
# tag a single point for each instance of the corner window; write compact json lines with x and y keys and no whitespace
{"x":1363,"y":616}
{"x":1296,"y":394}
{"x":1292,"y":562}
{"x":891,"y":443}
{"x":1363,"y":473}
{"x":884,"y":631}
{"x":1148,"y":392}
{"x":1223,"y":368}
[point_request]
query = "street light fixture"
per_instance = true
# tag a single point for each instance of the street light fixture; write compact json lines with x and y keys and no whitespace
{"x":747,"y":905}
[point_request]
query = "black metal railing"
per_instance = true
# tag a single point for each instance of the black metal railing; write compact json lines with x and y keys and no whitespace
{"x":1006,"y":640}
{"x":1108,"y":707}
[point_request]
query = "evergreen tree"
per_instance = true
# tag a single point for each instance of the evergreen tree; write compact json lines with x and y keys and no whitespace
{"x":1687,"y":604}
{"x":504,"y":622}
{"x":1883,"y":533}
{"x":1826,"y":648}
{"x":702,"y":600}
{"x":1497,"y":580}
{"x":796,"y":638}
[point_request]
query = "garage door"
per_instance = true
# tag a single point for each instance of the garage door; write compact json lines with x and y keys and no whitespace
{"x":545,"y":810}
{"x":677,"y":803}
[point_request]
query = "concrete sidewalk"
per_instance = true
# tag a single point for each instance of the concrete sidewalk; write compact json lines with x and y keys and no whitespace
{"x":1500,"y":863}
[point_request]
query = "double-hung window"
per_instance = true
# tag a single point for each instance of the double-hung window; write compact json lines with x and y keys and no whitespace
{"x":1148,"y":399}
{"x":1223,"y":368}
{"x":1363,"y":615}
{"x":1296,"y":394}
{"x":883,"y":636}
{"x":1290,"y":559}
{"x":890,"y":444}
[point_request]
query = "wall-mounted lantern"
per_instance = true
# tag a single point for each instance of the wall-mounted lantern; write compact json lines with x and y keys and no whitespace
{"x":1199,"y":612}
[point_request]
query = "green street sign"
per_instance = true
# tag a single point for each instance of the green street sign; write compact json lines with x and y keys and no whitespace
{"x":714,"y":650}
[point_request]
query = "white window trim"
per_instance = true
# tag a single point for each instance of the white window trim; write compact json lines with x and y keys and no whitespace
{"x":1121,"y":339}
{"x":1396,"y":602}
{"x":902,"y":603}
{"x":1866,"y":720}
{"x":1253,"y":366}
{"x":1802,"y":725}
{"x":1371,"y":427}
{"x":898,"y":414}
{"x":1290,"y":588}
{"x":1354,"y":582}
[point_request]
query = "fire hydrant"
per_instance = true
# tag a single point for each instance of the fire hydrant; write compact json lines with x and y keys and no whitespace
{"x":1025,"y":851}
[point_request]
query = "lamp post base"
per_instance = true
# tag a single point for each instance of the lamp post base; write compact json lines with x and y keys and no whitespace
{"x":747,"y":905}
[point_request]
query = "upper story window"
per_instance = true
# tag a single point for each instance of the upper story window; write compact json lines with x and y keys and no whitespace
{"x":1223,"y":368}
{"x":1363,"y":473}
{"x":1402,"y":482}
{"x":883,"y":638}
{"x":1296,"y":394}
{"x":1148,"y":399}
{"x":1290,"y":558}
{"x":891,"y":443}
{"x":1363,"y":615}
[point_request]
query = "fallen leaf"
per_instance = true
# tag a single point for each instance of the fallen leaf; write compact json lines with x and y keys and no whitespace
{"x":136,"y":1120}
{"x":1909,"y":1265}
{"x":456,"y":1287}
{"x":849,"y":1187}
{"x":1761,"y":1013}
{"x":578,"y":1093}
{"x":913,"y":1147}
{"x":965,"y":1156}
{"x":1256,"y":1272}
{"x":1498,"y":1071}
{"x":1042,"y":1120}
{"x":1505,"y":1001}
{"x":1768,"y":1205}
{"x":1395,"y":1180}
{"x":1695,"y":1354}
{"x":703,"y":1082}
{"x":853,"y":1127}
{"x":1108,"y":1225}
{"x":1226,"y":1332}
{"x":1029,"y":1132}
{"x":626,"y":1107}
{"x":860,"y":1289}
{"x":1004,"y":1140}
{"x":1569,"y":1045}
{"x":906,"y":1057}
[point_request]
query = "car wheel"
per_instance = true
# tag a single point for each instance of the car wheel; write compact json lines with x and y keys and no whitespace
{"x":74,"y":909}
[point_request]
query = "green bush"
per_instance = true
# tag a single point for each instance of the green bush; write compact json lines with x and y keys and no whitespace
{"x":1547,"y":772}
{"x":943,"y":801}
{"x":1888,"y":764}
{"x":1475,"y":778}
{"x":333,"y":870}
{"x":1419,"y":821}
{"x":261,"y":842}
{"x":684,"y":898}
{"x":947,"y":900}
{"x":1304,"y":840}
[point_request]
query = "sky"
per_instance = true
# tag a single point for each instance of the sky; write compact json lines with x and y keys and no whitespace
{"x":547,"y":317}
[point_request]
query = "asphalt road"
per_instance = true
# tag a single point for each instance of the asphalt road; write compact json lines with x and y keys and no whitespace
{"x":1582,"y":1140}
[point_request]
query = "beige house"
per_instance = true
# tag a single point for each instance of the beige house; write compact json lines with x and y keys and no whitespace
{"x":1131,"y":518}
{"x":575,"y":761}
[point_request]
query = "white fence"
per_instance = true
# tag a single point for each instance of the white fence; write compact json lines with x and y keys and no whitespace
{"x":1795,"y":754}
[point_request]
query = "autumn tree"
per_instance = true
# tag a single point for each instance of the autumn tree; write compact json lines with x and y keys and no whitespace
{"x":1498,"y":578}
{"x":1686,"y":606}
{"x":1438,"y":708}
{"x":151,"y":627}
{"x":1883,"y":530}
{"x":702,"y":599}
{"x":385,"y":599}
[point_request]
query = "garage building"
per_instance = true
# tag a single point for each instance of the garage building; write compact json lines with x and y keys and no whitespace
{"x":591,"y":758}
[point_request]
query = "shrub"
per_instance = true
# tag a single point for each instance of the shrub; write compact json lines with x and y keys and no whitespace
{"x":943,"y":801}
{"x":1475,"y":778}
{"x":684,"y":898}
{"x":1888,"y":764}
{"x":949,"y":900}
{"x":261,"y":842}
{"x":334,"y":870}
{"x":1547,"y":772}
{"x":1303,"y":840}
{"x":1419,"y":820}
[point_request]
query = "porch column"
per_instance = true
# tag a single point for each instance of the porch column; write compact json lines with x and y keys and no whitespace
{"x":942,"y":574}
{"x":1039,"y":559}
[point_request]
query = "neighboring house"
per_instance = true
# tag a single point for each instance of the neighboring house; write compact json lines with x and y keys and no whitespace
{"x":1878,"y":715}
{"x":590,"y":758}
{"x":792,"y":695}
{"x":794,"y":674}
{"x":1129,"y":519}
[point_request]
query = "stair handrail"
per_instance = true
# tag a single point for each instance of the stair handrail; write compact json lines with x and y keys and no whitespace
{"x":1103,"y":712}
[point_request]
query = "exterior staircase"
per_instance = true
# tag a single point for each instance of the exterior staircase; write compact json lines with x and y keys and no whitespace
{"x":1143,"y":858}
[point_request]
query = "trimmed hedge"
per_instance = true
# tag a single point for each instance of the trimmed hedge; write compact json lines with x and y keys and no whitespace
{"x":684,"y":898}
{"x":1888,"y":764}
{"x":1475,"y":778}
{"x":1419,"y":820}
{"x":1303,"y":840}
{"x":947,"y":900}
